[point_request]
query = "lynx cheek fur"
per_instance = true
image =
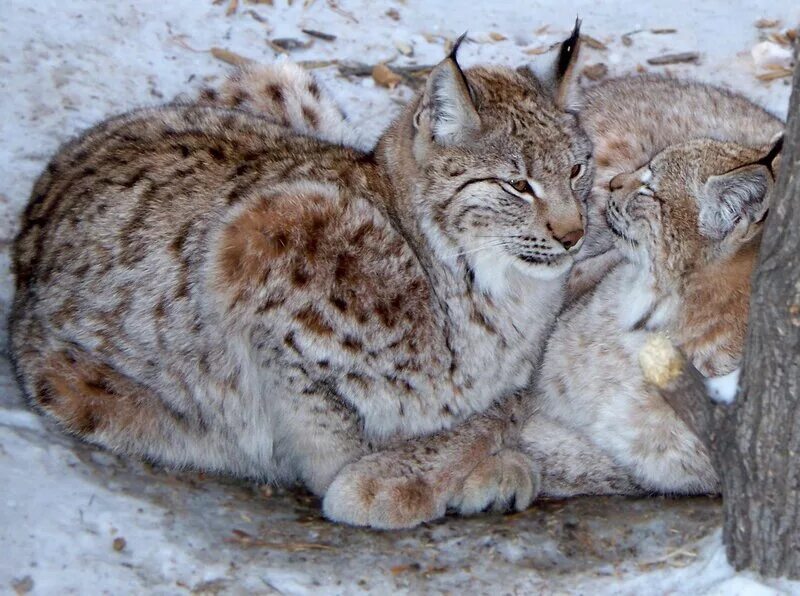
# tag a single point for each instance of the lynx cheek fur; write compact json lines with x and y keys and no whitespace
{"x":203,"y":288}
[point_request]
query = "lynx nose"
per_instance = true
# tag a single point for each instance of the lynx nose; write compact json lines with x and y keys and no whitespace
{"x":571,"y":239}
{"x":617,"y":182}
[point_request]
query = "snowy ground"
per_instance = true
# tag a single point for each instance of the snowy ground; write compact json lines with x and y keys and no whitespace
{"x":74,"y":519}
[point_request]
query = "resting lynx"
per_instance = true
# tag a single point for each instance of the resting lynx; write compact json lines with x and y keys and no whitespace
{"x":687,"y":224}
{"x":204,"y":288}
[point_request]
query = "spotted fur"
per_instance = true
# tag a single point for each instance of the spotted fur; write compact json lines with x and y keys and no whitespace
{"x":205,"y":288}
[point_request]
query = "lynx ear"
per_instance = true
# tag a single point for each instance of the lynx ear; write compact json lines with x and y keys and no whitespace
{"x":735,"y":199}
{"x":558,"y":76}
{"x":447,"y":108}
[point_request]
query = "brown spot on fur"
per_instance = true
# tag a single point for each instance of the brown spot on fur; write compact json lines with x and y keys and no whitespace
{"x":180,"y":238}
{"x":367,"y":490}
{"x":290,"y":342}
{"x":344,"y":265}
{"x":312,"y":320}
{"x":86,"y":397}
{"x":352,"y":344}
{"x":300,"y":276}
{"x":208,"y":95}
{"x":274,"y":92}
{"x":313,"y":89}
{"x":217,"y":153}
{"x":265,"y":234}
{"x":311,"y":118}
{"x":412,"y":499}
{"x":238,"y":98}
{"x":339,"y":303}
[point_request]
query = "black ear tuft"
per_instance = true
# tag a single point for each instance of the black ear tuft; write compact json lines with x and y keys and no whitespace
{"x":568,"y":48}
{"x":769,"y":159}
{"x":453,"y":55}
{"x":454,"y":51}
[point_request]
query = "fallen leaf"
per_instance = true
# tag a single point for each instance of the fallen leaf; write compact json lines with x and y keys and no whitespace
{"x":495,"y":36}
{"x":627,"y":40}
{"x":542,"y":30}
{"x":255,"y":15}
{"x":385,"y":77}
{"x":229,"y":57}
{"x":288,"y":44}
{"x":319,"y":34}
{"x":334,"y":6}
{"x":232,"y":6}
{"x":536,"y":51}
{"x":781,"y":38}
{"x":312,"y":64}
{"x":679,"y":58}
{"x":593,"y":43}
{"x":774,"y":72}
{"x":118,"y":544}
{"x":392,"y":13}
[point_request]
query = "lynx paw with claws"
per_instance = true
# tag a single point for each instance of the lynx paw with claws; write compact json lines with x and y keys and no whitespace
{"x":503,"y":481}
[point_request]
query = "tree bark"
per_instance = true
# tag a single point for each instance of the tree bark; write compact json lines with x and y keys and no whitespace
{"x":759,"y":445}
{"x":755,"y":442}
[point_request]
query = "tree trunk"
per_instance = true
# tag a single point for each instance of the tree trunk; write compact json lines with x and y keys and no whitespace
{"x":755,"y":441}
{"x":759,"y":442}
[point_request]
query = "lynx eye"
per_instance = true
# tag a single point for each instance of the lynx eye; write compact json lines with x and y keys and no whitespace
{"x":576,"y":172}
{"x":521,"y":186}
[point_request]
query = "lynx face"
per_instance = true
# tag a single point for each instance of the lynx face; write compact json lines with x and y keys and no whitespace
{"x":505,"y":170}
{"x":692,"y":204}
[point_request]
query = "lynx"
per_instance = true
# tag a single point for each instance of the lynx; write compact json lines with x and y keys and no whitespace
{"x":675,"y":223}
{"x":205,"y":288}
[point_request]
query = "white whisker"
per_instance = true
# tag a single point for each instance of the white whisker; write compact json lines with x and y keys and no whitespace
{"x":474,"y":250}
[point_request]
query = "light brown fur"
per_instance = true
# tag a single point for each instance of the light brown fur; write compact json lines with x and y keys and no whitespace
{"x":205,"y":288}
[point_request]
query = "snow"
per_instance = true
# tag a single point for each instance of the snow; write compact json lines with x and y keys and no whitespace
{"x":66,"y":64}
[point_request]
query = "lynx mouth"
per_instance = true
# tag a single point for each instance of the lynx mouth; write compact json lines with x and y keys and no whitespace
{"x":538,"y":260}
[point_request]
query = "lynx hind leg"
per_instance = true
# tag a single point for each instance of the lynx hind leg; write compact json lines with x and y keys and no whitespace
{"x":95,"y":402}
{"x":286,"y":94}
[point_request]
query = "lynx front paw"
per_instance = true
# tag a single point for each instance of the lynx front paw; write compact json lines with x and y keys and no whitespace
{"x":359,"y":498}
{"x":505,"y":480}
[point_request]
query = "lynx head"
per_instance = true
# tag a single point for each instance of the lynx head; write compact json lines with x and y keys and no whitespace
{"x":694,"y":203}
{"x":502,"y":169}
